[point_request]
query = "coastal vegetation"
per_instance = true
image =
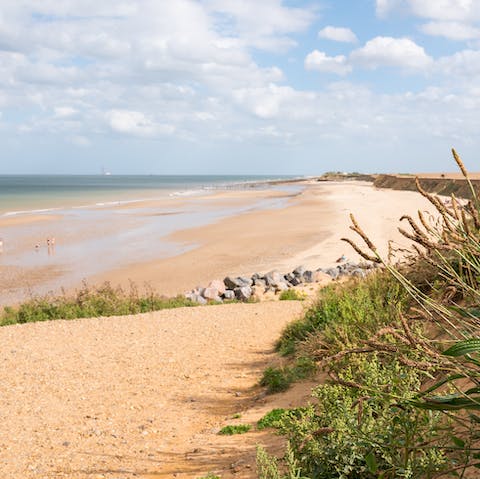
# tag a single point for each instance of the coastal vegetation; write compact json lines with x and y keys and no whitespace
{"x":87,"y":302}
{"x":400,"y":354}
{"x":235,"y":429}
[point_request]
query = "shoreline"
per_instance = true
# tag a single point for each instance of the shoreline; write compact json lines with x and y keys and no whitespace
{"x":249,"y":231}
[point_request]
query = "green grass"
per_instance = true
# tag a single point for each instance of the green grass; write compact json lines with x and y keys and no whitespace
{"x":346,"y":310}
{"x":277,"y":379}
{"x":271,"y":419}
{"x":291,"y":295}
{"x":235,"y":429}
{"x":104,"y":300}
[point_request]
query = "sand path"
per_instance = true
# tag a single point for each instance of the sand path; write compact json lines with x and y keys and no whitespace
{"x":134,"y":396}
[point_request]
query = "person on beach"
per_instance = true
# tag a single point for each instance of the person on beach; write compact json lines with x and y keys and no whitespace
{"x":37,"y":247}
{"x":1,"y":245}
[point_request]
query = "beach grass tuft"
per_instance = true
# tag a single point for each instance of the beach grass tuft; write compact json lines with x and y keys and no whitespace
{"x":87,"y":302}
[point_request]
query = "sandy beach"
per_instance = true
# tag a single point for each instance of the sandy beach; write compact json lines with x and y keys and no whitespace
{"x":145,"y":396}
{"x":240,"y":232}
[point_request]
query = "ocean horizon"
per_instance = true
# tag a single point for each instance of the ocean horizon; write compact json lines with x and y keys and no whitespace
{"x":23,"y":194}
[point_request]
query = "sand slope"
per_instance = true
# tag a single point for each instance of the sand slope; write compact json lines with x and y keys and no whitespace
{"x":133,"y":396}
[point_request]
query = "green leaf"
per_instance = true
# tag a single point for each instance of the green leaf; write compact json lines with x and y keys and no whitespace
{"x":371,"y":462}
{"x":448,"y":379}
{"x":461,"y":348}
{"x":458,"y":442}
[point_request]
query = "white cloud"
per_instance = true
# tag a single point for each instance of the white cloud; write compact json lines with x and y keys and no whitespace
{"x":442,"y":10}
{"x":462,"y":10}
{"x":383,"y":7}
{"x":319,"y":61}
{"x":64,"y":111}
{"x":451,"y":30}
{"x":388,"y":51}
{"x":338,"y":34}
{"x":463,"y":66}
{"x":264,"y":24}
{"x":135,"y":123}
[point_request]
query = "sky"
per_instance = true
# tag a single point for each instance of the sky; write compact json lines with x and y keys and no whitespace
{"x":238,"y":86}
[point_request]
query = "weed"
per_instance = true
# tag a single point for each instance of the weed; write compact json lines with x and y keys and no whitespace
{"x":279,"y":379}
{"x":271,"y":419}
{"x":235,"y":429}
{"x":292,"y":295}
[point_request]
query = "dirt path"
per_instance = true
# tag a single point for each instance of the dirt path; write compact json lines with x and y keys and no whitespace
{"x":136,"y":396}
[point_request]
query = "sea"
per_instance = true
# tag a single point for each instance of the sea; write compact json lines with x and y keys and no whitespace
{"x":104,"y":222}
{"x":21,"y":194}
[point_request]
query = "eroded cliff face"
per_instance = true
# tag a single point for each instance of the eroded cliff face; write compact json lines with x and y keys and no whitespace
{"x":440,"y":186}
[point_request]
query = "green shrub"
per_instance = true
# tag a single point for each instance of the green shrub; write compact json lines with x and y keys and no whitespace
{"x":235,"y":429}
{"x":276,"y":379}
{"x":353,"y":310}
{"x":367,"y":432}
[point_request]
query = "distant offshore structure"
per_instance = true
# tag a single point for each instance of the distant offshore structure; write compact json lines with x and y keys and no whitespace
{"x":105,"y":172}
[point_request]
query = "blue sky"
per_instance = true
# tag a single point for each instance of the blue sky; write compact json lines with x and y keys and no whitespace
{"x":238,"y":86}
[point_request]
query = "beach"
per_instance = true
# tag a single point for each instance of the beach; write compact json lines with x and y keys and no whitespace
{"x":145,"y":395}
{"x":175,"y":244}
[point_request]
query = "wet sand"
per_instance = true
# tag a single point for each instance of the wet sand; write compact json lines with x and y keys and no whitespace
{"x":242,"y":232}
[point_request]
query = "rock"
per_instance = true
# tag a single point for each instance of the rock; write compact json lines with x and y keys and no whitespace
{"x":358,"y":273}
{"x":289,"y":277}
{"x":333,"y":272}
{"x":229,"y":295}
{"x":299,"y":271}
{"x":232,"y":283}
{"x":199,"y":299}
{"x":273,"y":278}
{"x":246,"y":280}
{"x":296,"y":281}
{"x":211,"y":293}
{"x":308,"y":276}
{"x":256,"y":276}
{"x":244,"y":293}
{"x":260,"y":283}
{"x":281,"y":286}
{"x":219,"y":285}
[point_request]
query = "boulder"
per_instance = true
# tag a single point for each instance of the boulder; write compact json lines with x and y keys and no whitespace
{"x":211,"y":293}
{"x":243,"y":293}
{"x":273,"y":278}
{"x":219,"y":285}
{"x":299,"y":271}
{"x":260,"y":283}
{"x":247,"y":281}
{"x":308,"y":276}
{"x":296,"y":281}
{"x":232,"y":283}
{"x":199,"y":299}
{"x":229,"y":295}
{"x":333,"y":272}
{"x":289,"y":277}
{"x":281,"y":286}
